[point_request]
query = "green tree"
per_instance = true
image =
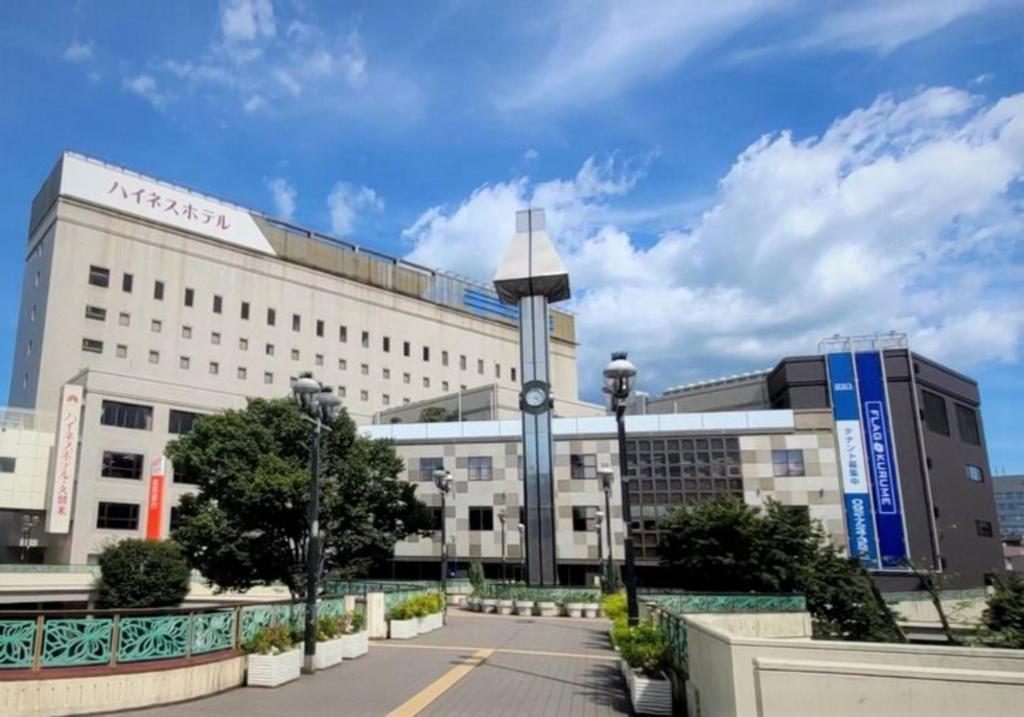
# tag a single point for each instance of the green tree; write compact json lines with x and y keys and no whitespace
{"x":142,"y":573}
{"x":728,"y":546}
{"x":1003,"y":619}
{"x":437,"y":414}
{"x":248,"y":523}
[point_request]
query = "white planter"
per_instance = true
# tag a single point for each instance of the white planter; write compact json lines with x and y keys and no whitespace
{"x":547,"y":609}
{"x":437,"y":620}
{"x":505,"y":607}
{"x":524,"y":607}
{"x":574,"y":609}
{"x":328,"y":654}
{"x":403,"y":629}
{"x":469,"y":603}
{"x":591,"y":609}
{"x":649,"y":695}
{"x":273,"y":670}
{"x":355,"y":644}
{"x":429,"y":623}
{"x":488,"y":605}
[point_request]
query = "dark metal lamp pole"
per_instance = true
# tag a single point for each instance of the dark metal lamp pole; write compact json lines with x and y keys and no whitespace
{"x":443,"y":481}
{"x":607,"y":475}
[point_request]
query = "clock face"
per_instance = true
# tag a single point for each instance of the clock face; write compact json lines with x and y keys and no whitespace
{"x":535,"y":397}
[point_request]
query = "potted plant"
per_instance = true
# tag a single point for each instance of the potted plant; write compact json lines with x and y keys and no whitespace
{"x":573,"y":605}
{"x":403,"y":623}
{"x":506,"y":603}
{"x":489,"y":603}
{"x":355,"y":640}
{"x":523,"y":604}
{"x":546,"y":607}
{"x":328,"y":642}
{"x":273,"y":657}
{"x":645,"y":659}
{"x":591,"y":607}
{"x":428,"y":609}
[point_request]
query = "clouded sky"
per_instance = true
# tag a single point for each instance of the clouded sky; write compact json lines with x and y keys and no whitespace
{"x":728,"y":182}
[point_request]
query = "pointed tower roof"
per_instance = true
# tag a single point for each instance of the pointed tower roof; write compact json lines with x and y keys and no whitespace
{"x":531,"y":266}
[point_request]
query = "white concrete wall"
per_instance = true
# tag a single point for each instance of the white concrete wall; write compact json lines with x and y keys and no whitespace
{"x":29,"y":445}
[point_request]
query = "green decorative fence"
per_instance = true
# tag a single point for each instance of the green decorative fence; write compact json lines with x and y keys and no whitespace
{"x":48,"y":640}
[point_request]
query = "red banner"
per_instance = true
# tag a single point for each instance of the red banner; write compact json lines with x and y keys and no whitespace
{"x":155,"y":513}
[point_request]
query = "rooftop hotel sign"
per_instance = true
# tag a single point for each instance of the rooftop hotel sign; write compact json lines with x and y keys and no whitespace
{"x":58,"y":517}
{"x":147,"y":198}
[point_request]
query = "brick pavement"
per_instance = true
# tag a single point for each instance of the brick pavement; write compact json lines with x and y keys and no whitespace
{"x":533,"y":666}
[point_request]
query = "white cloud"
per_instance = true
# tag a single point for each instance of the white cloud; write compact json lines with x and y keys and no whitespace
{"x":530,"y":155}
{"x":145,"y":86}
{"x":345,"y":201}
{"x":247,"y":20}
{"x":255,"y":103}
{"x":902,"y":215}
{"x":284,"y":197}
{"x":78,"y":51}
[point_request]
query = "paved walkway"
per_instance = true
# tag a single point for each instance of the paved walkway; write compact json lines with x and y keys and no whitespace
{"x":477,"y":665}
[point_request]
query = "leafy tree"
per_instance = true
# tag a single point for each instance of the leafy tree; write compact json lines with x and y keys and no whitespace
{"x":142,"y":573}
{"x":1003,"y":619}
{"x":438,"y":414}
{"x":248,"y":523}
{"x":728,"y":546}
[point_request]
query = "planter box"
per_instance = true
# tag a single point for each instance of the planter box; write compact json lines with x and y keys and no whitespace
{"x":524,"y":607}
{"x":574,"y":609}
{"x":505,"y":607}
{"x":403,"y":629}
{"x":591,"y":609}
{"x":469,"y":603}
{"x":273,"y":670}
{"x":355,"y":644}
{"x":649,"y":695}
{"x":328,"y":654}
{"x":489,"y":605}
{"x":547,"y":609}
{"x":429,"y":623}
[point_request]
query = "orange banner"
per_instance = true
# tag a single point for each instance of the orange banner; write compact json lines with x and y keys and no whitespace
{"x":154,"y":518}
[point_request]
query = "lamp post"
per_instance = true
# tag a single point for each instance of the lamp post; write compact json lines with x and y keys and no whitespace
{"x":607,"y":475}
{"x":28,"y":523}
{"x":522,"y":550}
{"x":504,"y":572}
{"x":598,"y":521}
{"x":619,"y":378}
{"x":443,"y":481}
{"x":319,"y":406}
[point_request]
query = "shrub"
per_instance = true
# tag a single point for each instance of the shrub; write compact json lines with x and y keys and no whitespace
{"x":614,"y":606}
{"x":329,"y":627}
{"x":356,"y":620}
{"x":400,"y":611}
{"x":476,"y":577}
{"x":644,"y":649}
{"x":620,"y":630}
{"x":1003,"y":619}
{"x":142,"y":573}
{"x":270,"y":640}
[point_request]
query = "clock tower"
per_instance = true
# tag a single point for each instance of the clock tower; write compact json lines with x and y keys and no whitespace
{"x":532,"y":276}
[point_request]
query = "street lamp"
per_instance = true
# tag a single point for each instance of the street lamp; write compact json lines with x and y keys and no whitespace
{"x":607,"y":476}
{"x":619,"y":378}
{"x":598,"y":520}
{"x":522,"y":550}
{"x":504,"y":574}
{"x":319,"y":406}
{"x":443,"y":481}
{"x":28,"y":523}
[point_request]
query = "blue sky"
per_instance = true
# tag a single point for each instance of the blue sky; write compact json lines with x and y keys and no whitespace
{"x":727,"y":184}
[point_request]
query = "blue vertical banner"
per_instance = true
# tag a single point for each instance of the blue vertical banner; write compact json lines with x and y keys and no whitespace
{"x":881,"y":455}
{"x":860,"y":519}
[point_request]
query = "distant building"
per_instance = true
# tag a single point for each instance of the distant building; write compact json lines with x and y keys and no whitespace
{"x":1009,"y":495}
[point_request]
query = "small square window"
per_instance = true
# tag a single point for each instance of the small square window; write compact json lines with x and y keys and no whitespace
{"x":364,"y":369}
{"x":386,"y":373}
{"x":98,"y":276}
{"x":364,"y":395}
{"x":582,"y":518}
{"x":788,"y":463}
{"x":186,"y":332}
{"x":122,"y":351}
{"x":269,"y":349}
{"x":462,"y":363}
{"x":426,"y":353}
{"x":214,"y":368}
{"x":481,"y":518}
{"x":92,"y":346}
{"x":158,"y":290}
{"x":215,"y":338}
{"x":95,"y":313}
{"x":341,"y":392}
{"x":268,"y":377}
{"x":975,"y":474}
{"x":295,"y":354}
{"x":156,"y":326}
{"x":184,"y":362}
{"x":320,"y":327}
{"x":385,"y":399}
{"x":426,"y":382}
{"x":512,"y":374}
{"x":218,"y":304}
{"x":124,"y":319}
{"x":497,"y":370}
{"x":406,"y":348}
{"x":984,"y":528}
{"x":7,"y":464}
{"x":366,"y":339}
{"x":154,"y":357}
{"x":480,"y":366}
{"x":318,"y":359}
{"x":342,"y":365}
{"x":242,"y":373}
{"x":444,"y":358}
{"x":479,"y":468}
{"x":243,"y":344}
{"x":583,"y":466}
{"x":406,"y":378}
{"x":126,"y":283}
{"x":190,"y":297}
{"x":444,"y":386}
{"x":386,"y":344}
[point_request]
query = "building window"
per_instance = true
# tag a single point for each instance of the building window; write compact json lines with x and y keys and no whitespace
{"x":296,"y":322}
{"x":269,"y":349}
{"x":342,"y":365}
{"x":214,"y":368}
{"x":341,"y":392}
{"x":122,"y":465}
{"x":92,"y":346}
{"x":320,"y":328}
{"x":190,"y":297}
{"x":343,"y":334}
{"x":124,"y":319}
{"x":788,"y":463}
{"x":175,"y":517}
{"x":7,"y":464}
{"x":935,"y":416}
{"x":158,"y":290}
{"x":406,"y":348}
{"x":180,"y":422}
{"x":480,"y":366}
{"x":95,"y":313}
{"x":184,"y":362}
{"x":295,"y":354}
{"x":444,"y":358}
{"x":583,"y":466}
{"x":386,"y":344}
{"x":127,"y":415}
{"x":365,"y":341}
{"x":271,"y":317}
{"x":245,"y":311}
{"x":218,"y":304}
{"x":364,"y":369}
{"x":98,"y":276}
{"x":364,"y":395}
{"x":462,"y":363}
{"x":182,"y":474}
{"x":385,"y":399}
{"x":242,"y":373}
{"x":126,"y":283}
{"x":967,"y":423}
{"x":268,"y":377}
{"x":975,"y":474}
{"x":122,"y":351}
{"x":444,"y":386}
{"x":479,"y":468}
{"x":156,"y":326}
{"x":154,"y":357}
{"x":215,"y":338}
{"x":406,"y":378}
{"x":186,"y":332}
{"x":318,"y":359}
{"x":582,"y":517}
{"x":512,"y":374}
{"x":481,"y":518}
{"x":426,"y":353}
{"x":984,"y":528}
{"x":243,"y":344}
{"x":426,"y":382}
{"x":428,"y":466}
{"x":385,"y":373}
{"x":118,"y":516}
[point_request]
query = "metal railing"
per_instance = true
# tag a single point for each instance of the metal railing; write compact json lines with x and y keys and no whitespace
{"x":40,"y":641}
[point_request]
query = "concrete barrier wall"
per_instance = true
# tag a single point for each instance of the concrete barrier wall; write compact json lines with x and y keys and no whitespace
{"x":107,"y":693}
{"x":732,"y":674}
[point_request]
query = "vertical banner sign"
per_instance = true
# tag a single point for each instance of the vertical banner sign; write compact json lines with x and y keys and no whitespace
{"x":58,"y":517}
{"x":874,"y":409}
{"x":155,"y":510}
{"x":860,"y":520}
